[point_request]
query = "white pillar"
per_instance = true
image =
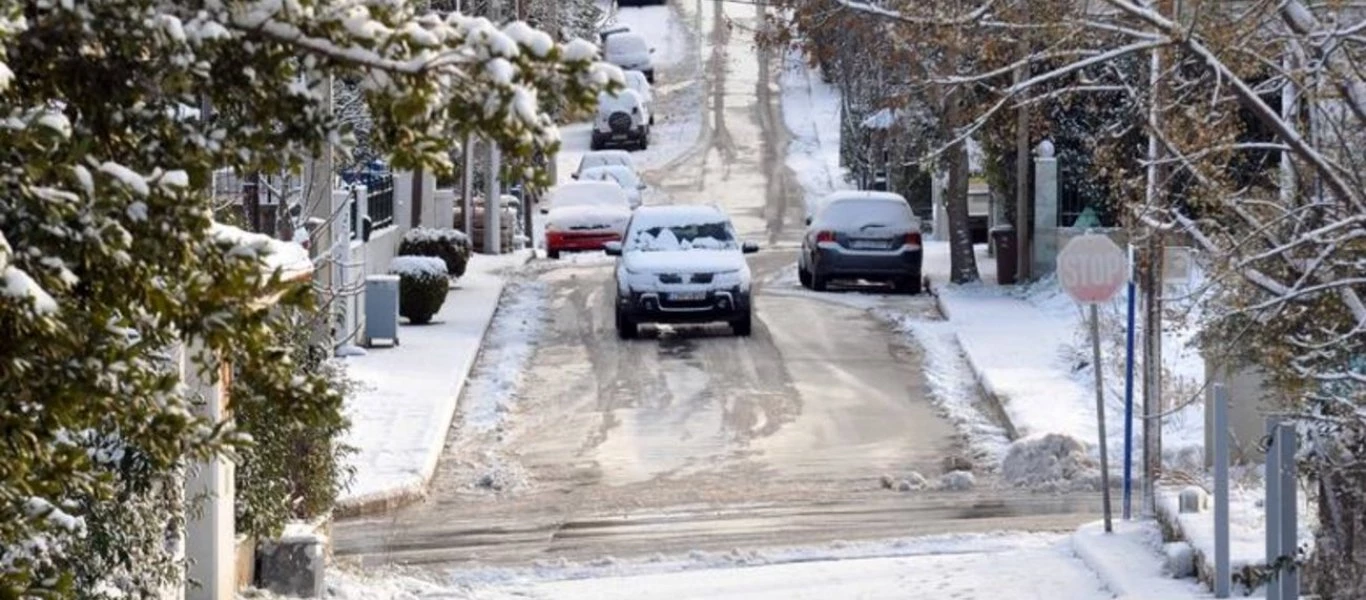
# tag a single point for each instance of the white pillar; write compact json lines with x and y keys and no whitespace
{"x":403,"y":197}
{"x":1044,"y":248}
{"x":430,"y":211}
{"x":209,"y":532}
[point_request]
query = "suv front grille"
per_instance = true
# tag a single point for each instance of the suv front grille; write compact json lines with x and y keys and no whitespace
{"x":670,"y":278}
{"x":701,"y":277}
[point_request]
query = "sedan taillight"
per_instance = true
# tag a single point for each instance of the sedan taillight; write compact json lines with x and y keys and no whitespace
{"x":825,"y":236}
{"x":913,"y":239}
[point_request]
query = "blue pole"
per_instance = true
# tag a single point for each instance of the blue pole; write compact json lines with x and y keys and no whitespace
{"x":1129,"y":405}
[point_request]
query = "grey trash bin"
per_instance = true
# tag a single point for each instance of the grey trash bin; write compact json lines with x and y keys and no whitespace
{"x":381,"y":309}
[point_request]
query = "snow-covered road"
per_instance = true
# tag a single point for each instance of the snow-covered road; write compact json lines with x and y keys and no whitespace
{"x":822,"y":426}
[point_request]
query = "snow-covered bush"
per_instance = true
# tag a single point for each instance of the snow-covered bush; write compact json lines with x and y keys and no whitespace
{"x":422,"y":286}
{"x":291,"y":473}
{"x":451,"y":246}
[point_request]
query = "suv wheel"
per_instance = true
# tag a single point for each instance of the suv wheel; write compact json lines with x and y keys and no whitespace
{"x":744,"y":325}
{"x":626,"y":328}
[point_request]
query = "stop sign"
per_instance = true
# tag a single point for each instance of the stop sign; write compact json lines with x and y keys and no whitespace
{"x":1092,"y":268}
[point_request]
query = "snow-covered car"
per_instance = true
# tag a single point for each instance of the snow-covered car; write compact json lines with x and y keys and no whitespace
{"x":600,"y":158}
{"x":681,"y":264}
{"x":622,"y":120}
{"x":607,"y":31}
{"x":584,"y":215}
{"x":630,"y":51}
{"x":619,"y":174}
{"x":636,"y":81}
{"x":862,"y":235}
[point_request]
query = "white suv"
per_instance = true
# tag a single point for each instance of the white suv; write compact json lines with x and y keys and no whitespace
{"x":622,"y":120}
{"x":681,"y":264}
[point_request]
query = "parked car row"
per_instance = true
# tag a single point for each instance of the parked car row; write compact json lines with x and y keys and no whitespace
{"x":587,"y":213}
{"x":624,"y":117}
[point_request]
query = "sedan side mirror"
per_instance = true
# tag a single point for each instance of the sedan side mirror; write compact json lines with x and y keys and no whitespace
{"x":749,"y":247}
{"x":612,"y":248}
{"x":808,"y":221}
{"x":652,"y":50}
{"x":642,"y":186}
{"x":545,"y":210}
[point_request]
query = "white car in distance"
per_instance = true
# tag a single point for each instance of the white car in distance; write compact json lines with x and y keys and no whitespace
{"x":621,"y":175}
{"x":601,"y":158}
{"x":682,"y":264}
{"x":584,"y":216}
{"x":622,"y":120}
{"x":636,"y":81}
{"x":631,"y":52}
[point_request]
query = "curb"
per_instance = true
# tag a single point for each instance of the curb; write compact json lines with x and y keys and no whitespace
{"x":994,"y":402}
{"x":415,"y":490}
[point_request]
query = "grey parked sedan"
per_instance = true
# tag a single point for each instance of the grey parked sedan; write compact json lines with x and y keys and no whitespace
{"x":862,"y":235}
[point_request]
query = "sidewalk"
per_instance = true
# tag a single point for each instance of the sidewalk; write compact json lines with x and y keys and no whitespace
{"x":1128,"y":562}
{"x":1017,"y":349}
{"x":401,"y":414}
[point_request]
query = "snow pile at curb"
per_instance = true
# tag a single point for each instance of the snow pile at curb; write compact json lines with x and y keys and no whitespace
{"x":1050,"y":460}
{"x":502,"y":362}
{"x":495,"y":473}
{"x":953,"y":388}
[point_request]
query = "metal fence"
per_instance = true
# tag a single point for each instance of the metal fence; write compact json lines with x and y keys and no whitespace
{"x":379,"y":203}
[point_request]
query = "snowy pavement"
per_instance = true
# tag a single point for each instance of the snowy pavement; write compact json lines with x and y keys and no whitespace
{"x":408,"y":393}
{"x":964,"y":567}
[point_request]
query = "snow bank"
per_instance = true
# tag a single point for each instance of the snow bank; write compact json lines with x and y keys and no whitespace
{"x":1051,"y":459}
{"x":957,"y":481}
{"x":414,"y":266}
{"x":511,"y":340}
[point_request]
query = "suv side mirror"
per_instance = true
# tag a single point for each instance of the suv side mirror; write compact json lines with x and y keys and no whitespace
{"x":808,"y":221}
{"x":612,"y":248}
{"x":749,"y":247}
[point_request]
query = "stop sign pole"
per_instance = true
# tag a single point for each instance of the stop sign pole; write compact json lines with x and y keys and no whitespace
{"x":1091,"y":269}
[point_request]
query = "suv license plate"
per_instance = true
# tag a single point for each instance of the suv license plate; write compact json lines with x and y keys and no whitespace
{"x":688,"y":296}
{"x":868,"y":245}
{"x":618,"y":136}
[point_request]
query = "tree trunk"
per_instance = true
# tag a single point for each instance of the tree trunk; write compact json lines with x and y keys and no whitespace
{"x":962,"y":260}
{"x":1337,"y":569}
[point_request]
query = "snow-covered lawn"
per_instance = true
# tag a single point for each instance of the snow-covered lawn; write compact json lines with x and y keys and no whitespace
{"x":400,"y":416}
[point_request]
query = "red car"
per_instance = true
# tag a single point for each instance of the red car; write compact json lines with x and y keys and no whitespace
{"x":585,"y":215}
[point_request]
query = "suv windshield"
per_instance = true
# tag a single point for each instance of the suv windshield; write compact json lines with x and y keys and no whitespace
{"x":716,"y":235}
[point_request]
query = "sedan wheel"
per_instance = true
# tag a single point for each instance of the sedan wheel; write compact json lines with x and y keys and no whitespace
{"x":818,"y":282}
{"x":908,"y":285}
{"x":804,"y":276}
{"x":552,"y":254}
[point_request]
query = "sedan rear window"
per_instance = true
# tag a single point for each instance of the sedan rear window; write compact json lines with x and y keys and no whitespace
{"x":867,"y":212}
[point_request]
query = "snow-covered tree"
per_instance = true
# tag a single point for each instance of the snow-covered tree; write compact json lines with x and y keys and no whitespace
{"x":1256,"y":113}
{"x":108,"y":256}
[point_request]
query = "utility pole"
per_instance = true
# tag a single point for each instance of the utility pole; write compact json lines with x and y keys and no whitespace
{"x":1151,"y":282}
{"x":493,"y":204}
{"x":1023,"y":248}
